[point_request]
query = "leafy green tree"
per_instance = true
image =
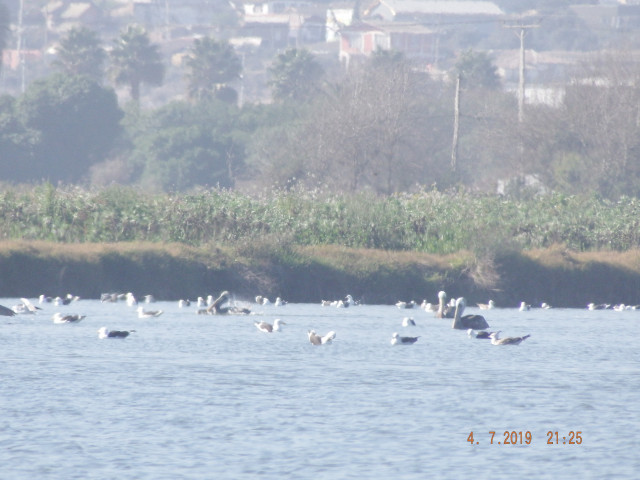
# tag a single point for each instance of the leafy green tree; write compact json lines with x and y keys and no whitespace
{"x":476,"y":70}
{"x":76,"y":121}
{"x":295,"y":75}
{"x":80,"y":53}
{"x":212,"y":65}
{"x":184,"y":145}
{"x":134,"y":60}
{"x":16,"y":143}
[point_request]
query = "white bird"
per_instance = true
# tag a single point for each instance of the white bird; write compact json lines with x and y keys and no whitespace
{"x":444,"y":310}
{"x":496,"y":340}
{"x":408,"y":322}
{"x":44,"y":299}
{"x":279,"y":302}
{"x":402,"y":304}
{"x":524,"y":306}
{"x":349,"y":301}
{"x":398,"y":340}
{"x":142,"y":313}
{"x":476,"y":322}
{"x":184,"y":303}
{"x":428,"y":306}
{"x":600,"y":306}
{"x":66,"y":300}
{"x":130,"y":299}
{"x":26,"y":307}
{"x":103,"y":332}
{"x":487,"y":306}
{"x":267,"y":327}
{"x":545,"y":305}
{"x":479,"y":334}
{"x":316,"y":339}
{"x":60,"y":318}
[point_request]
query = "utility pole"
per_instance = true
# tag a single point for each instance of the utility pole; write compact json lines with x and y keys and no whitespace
{"x":522,"y":29}
{"x":20,"y":47}
{"x":456,"y":125}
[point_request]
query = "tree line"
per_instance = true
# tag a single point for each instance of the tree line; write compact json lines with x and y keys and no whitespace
{"x":384,"y":126}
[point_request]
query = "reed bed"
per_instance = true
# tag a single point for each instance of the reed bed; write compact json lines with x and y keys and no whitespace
{"x":428,"y":221}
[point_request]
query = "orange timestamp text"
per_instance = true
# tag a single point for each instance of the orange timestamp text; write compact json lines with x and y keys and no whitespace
{"x":514,"y":437}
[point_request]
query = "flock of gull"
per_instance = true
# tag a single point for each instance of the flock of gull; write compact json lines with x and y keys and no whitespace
{"x":224,"y":304}
{"x":476,"y":325}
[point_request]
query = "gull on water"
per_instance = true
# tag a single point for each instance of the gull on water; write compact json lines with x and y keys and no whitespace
{"x":269,"y":328}
{"x":402,"y":304}
{"x":496,"y":340}
{"x":131,"y":299}
{"x":479,"y":334}
{"x":26,"y":307}
{"x":316,"y":339}
{"x":524,"y":306}
{"x":408,"y":322}
{"x":66,"y":300}
{"x":599,"y":306}
{"x":73,"y":318}
{"x":104,"y":332}
{"x":142,"y":313}
{"x":487,"y":306}
{"x":428,"y":306}
{"x":398,"y":340}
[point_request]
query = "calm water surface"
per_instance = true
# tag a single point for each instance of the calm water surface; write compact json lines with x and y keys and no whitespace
{"x":200,"y":397}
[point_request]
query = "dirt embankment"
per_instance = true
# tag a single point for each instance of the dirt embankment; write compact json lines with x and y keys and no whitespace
{"x":169,"y":272}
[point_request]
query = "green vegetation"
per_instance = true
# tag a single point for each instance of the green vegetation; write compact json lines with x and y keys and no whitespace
{"x":429,"y":221}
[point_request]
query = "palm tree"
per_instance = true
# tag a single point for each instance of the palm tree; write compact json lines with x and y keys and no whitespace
{"x":134,"y":60}
{"x":295,"y":75}
{"x":80,"y":53}
{"x":212,"y":65}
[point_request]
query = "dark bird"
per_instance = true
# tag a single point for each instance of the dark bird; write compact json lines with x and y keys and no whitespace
{"x":479,"y":334}
{"x":398,"y":340}
{"x":71,"y":318}
{"x":476,"y":322}
{"x":6,"y":311}
{"x":105,"y":333}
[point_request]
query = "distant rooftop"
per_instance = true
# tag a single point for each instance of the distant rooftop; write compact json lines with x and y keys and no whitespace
{"x":441,"y":7}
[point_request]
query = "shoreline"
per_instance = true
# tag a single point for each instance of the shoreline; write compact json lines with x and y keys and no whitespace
{"x":557,"y":276}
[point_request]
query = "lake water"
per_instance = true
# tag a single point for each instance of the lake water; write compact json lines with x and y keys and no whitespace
{"x":205,"y":397}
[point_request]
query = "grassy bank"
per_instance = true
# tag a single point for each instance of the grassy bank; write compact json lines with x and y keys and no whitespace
{"x":429,"y":221}
{"x":310,"y":273}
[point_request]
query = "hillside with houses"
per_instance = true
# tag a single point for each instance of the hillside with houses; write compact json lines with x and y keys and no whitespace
{"x":431,"y":33}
